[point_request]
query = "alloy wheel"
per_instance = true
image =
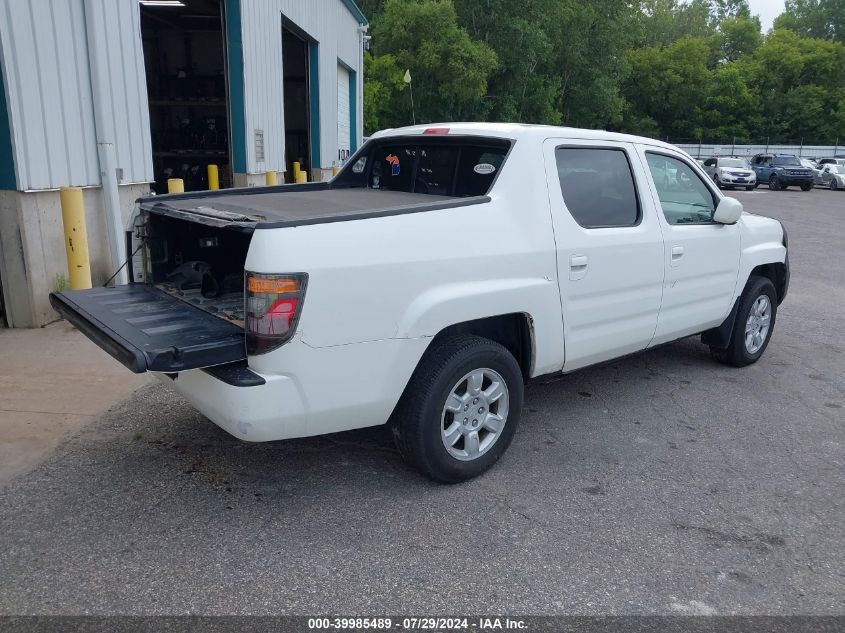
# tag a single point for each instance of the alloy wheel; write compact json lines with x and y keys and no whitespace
{"x":475,"y":414}
{"x":758,"y":323}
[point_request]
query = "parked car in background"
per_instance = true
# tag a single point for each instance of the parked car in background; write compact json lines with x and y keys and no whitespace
{"x":729,"y":172}
{"x":831,"y":161}
{"x":817,"y":170}
{"x":781,"y":171}
{"x":437,"y":272}
{"x":833,"y":176}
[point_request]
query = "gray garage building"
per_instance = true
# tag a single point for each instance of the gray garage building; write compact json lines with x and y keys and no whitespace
{"x":117,"y":96}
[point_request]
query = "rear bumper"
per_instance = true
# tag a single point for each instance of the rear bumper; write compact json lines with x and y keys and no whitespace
{"x":271,"y":411}
{"x":300,"y":391}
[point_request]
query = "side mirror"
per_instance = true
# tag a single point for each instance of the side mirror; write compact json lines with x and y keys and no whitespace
{"x":728,"y":212}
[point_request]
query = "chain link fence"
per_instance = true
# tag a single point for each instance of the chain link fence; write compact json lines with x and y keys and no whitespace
{"x":701,"y":149}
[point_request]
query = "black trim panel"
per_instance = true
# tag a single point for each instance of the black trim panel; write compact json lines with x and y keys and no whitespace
{"x":236,"y":374}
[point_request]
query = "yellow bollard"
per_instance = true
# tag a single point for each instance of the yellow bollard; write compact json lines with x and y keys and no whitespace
{"x":213,"y":178}
{"x":296,"y":169}
{"x":76,"y":238}
{"x":301,"y":176}
{"x":270,"y":178}
{"x":335,"y":170}
{"x":175,"y":185}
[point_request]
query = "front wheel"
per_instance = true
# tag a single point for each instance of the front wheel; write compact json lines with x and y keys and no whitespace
{"x":755,"y":321}
{"x":750,"y":187}
{"x":833,"y":185}
{"x":774,"y":183}
{"x":460,"y":409}
{"x":806,"y":187}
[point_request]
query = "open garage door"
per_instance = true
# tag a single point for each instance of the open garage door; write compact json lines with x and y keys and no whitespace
{"x":344,"y":133}
{"x":185,"y":61}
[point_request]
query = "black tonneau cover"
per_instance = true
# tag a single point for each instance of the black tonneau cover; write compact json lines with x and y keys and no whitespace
{"x":295,"y":205}
{"x":149,"y":330}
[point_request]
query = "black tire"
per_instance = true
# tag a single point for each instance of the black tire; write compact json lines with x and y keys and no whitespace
{"x":737,"y":353}
{"x":774,"y":183}
{"x":719,"y":184}
{"x":806,"y":187}
{"x":750,"y":187}
{"x":418,"y":417}
{"x":834,"y":185}
{"x":756,"y":184}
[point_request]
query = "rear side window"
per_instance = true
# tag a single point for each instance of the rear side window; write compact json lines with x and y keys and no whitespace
{"x":444,"y":167}
{"x":598,"y":187}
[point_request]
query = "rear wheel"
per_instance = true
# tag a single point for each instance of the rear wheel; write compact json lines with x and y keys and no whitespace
{"x":460,"y":409}
{"x":755,"y":321}
{"x":774,"y":183}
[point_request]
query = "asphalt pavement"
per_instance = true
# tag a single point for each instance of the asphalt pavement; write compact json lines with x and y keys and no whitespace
{"x":663,"y":483}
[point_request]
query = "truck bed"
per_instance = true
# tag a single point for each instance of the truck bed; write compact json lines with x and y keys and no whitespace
{"x":295,"y":205}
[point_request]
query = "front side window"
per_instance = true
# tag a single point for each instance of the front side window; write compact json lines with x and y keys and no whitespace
{"x":684,"y":197}
{"x":598,"y":186}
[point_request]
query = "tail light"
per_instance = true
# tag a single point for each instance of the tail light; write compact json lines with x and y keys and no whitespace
{"x":273,"y":305}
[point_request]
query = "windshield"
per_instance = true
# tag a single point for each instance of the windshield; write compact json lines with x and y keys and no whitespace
{"x":445,"y":166}
{"x":731,"y":162}
{"x":786,"y":160}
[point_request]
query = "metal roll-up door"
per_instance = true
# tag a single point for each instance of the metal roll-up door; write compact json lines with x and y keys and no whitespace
{"x":343,"y":131}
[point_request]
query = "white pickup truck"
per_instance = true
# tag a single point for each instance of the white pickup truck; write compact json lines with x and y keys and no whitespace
{"x":441,"y":269}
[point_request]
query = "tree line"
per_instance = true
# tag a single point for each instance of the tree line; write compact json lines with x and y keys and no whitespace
{"x":679,"y":69}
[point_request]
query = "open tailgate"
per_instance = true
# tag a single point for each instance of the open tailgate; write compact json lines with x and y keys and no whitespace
{"x":149,"y":330}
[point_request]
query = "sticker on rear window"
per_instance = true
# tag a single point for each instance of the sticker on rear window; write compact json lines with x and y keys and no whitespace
{"x":484,"y":168}
{"x":394,"y":164}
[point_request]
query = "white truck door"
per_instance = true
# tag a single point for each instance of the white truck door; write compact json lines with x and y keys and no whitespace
{"x":702,"y":257}
{"x":609,"y":248}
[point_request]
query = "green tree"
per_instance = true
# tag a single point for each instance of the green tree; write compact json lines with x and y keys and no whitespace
{"x":669,"y":86}
{"x":739,"y":36}
{"x":800,"y":86}
{"x":526,"y":84}
{"x":449,"y":69}
{"x":383,"y":83}
{"x":824,"y":19}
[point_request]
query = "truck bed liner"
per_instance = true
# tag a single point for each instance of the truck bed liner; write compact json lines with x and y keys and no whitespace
{"x":292,"y":205}
{"x":147,"y":329}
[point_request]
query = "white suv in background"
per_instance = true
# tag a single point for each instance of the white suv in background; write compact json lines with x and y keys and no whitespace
{"x":728,"y":172}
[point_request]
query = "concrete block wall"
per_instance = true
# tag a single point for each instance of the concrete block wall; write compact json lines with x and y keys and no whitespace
{"x":32,"y":251}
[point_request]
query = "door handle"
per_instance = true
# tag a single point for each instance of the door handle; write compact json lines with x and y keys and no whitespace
{"x":577,"y":266}
{"x":677,"y":255}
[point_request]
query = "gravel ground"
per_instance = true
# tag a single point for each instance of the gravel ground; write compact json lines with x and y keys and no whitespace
{"x":663,"y":483}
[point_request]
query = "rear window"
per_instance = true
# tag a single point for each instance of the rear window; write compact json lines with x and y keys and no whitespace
{"x":444,"y":167}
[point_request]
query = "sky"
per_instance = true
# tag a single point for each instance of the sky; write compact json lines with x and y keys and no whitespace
{"x":768,"y":10}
